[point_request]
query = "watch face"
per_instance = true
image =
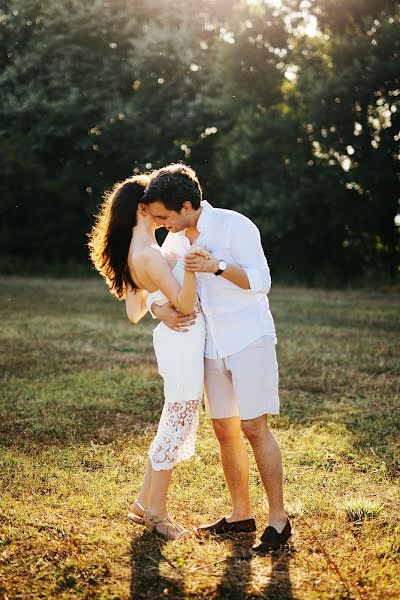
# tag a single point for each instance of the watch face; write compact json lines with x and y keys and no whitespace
{"x":222,"y":265}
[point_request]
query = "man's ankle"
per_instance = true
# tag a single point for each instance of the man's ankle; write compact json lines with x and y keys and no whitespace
{"x":240,"y":516}
{"x":278,"y":520}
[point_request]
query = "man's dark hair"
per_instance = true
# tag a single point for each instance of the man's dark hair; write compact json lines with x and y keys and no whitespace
{"x":174,"y":185}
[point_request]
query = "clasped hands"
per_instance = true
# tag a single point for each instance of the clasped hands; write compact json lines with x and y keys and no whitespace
{"x":199,"y":260}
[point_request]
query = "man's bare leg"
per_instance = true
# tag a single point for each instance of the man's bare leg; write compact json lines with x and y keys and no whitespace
{"x":235,"y":464}
{"x":269,"y":461}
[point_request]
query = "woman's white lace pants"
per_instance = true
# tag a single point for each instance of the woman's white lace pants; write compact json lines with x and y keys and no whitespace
{"x":180,"y":360}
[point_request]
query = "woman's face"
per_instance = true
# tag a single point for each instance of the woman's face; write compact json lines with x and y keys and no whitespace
{"x":143,"y":210}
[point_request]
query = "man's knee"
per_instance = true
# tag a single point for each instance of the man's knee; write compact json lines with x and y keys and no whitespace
{"x":226,"y":429}
{"x":255,"y":429}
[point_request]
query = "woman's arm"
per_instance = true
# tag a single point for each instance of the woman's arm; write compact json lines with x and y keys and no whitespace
{"x":135,"y":304}
{"x":183,"y":298}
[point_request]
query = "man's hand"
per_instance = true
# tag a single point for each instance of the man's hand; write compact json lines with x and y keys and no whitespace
{"x":201,"y":263}
{"x":172,"y":317}
{"x":204,"y":264}
{"x":200,"y":249}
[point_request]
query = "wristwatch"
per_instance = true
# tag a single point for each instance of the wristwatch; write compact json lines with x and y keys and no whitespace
{"x":221,"y":267}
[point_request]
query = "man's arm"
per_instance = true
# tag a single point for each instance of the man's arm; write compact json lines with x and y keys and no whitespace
{"x":171,"y":317}
{"x":253,"y":271}
{"x":234,"y":274}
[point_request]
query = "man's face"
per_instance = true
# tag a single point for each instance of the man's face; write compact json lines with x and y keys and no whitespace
{"x":170,"y":219}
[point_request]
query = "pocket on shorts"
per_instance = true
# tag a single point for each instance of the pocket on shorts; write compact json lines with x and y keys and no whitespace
{"x":258,"y":343}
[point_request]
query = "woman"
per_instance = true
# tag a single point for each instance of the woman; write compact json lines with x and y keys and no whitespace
{"x":124,"y":250}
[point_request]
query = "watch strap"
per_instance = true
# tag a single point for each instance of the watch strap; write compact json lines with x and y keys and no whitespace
{"x":219,"y":271}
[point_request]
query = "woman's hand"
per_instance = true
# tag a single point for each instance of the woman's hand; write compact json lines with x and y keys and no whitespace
{"x":200,"y":250}
{"x":199,"y":260}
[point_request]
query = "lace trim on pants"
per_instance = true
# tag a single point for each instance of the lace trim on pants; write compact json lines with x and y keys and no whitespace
{"x":176,"y":435}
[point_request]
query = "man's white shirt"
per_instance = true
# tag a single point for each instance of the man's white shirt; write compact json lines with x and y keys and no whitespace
{"x":234,"y":317}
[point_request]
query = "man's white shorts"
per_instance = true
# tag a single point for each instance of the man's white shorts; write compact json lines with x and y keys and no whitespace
{"x":244,"y":384}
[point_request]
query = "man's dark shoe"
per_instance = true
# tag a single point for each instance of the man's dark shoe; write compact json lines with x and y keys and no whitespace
{"x":272,"y":540}
{"x":222,"y":526}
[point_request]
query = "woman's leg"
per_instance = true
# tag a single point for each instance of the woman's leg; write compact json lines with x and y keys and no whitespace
{"x":176,"y":433}
{"x":145,"y":491}
{"x":157,"y":506}
{"x":153,"y":493}
{"x":153,"y":498}
{"x":156,"y":515}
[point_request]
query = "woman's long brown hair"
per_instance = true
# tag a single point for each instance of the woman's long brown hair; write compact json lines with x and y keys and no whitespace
{"x":111,"y":234}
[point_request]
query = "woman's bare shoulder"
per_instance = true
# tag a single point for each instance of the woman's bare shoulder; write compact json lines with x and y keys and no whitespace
{"x":148,"y":260}
{"x":147,"y":255}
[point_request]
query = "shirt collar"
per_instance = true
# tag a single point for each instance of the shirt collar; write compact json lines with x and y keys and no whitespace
{"x":205,"y":216}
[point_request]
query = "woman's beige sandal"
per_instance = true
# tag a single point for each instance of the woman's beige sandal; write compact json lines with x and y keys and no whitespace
{"x":172,"y":530}
{"x":133,"y":516}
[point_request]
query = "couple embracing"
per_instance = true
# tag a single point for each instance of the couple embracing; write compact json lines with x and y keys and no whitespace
{"x":208,"y":286}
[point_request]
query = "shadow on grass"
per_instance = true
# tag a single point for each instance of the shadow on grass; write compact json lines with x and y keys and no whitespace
{"x":371,"y":425}
{"x":279,"y":587}
{"x":368,"y":423}
{"x":238,"y":572}
{"x":149,"y":568}
{"x":147,"y":580}
{"x":68,"y":426}
{"x":64,"y":426}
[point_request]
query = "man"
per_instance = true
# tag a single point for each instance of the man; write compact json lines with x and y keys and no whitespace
{"x":241,"y":372}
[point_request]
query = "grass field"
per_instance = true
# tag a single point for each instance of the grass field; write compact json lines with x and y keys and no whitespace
{"x":80,"y":401}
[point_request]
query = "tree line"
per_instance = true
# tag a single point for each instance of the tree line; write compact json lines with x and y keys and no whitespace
{"x":289,"y":112}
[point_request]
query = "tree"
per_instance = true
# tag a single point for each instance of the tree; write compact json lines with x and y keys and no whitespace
{"x":89,"y":93}
{"x":349,"y":84}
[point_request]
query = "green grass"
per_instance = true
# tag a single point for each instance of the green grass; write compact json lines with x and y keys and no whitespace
{"x":80,"y":402}
{"x":360,"y":508}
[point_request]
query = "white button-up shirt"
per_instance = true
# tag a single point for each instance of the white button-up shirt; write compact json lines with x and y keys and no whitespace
{"x":234,"y":317}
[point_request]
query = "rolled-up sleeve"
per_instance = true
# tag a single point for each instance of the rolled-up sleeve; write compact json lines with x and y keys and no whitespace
{"x":248,"y":252}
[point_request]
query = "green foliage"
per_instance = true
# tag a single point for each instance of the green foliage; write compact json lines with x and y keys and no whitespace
{"x":354,"y":113}
{"x":92,"y":91}
{"x":360,"y":508}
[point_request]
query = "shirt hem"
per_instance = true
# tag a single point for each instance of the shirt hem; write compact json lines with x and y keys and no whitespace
{"x":219,"y":356}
